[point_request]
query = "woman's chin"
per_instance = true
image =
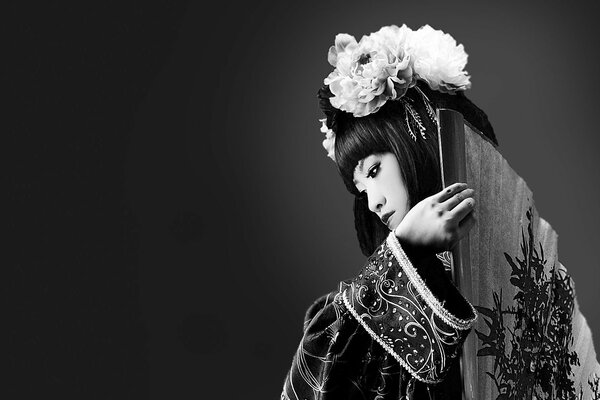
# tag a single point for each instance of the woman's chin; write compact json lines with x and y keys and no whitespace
{"x":394,"y":222}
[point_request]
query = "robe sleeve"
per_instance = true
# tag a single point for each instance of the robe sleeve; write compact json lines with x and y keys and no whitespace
{"x":411,"y":317}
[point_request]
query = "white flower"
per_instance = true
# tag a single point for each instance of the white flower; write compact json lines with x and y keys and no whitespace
{"x":343,"y":43}
{"x":370,"y":72}
{"x":385,"y":64}
{"x":438,"y":60}
{"x":329,"y":142}
{"x":393,"y":38}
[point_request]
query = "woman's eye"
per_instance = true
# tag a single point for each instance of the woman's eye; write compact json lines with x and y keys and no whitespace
{"x":373,"y":171}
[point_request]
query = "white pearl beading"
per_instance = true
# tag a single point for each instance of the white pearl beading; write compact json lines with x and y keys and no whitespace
{"x":430,"y":299}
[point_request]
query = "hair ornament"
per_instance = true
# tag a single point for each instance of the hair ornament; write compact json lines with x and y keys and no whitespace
{"x":384,"y":65}
{"x":329,"y":142}
{"x":412,"y":118}
{"x":431,"y":113}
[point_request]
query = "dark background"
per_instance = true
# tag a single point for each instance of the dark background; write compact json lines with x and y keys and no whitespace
{"x":171,"y":210}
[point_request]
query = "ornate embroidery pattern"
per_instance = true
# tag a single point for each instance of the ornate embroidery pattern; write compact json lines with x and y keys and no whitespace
{"x":332,"y":360}
{"x":446,"y":259}
{"x":530,"y":341}
{"x":392,"y":303}
{"x":313,"y":368}
{"x":415,"y":279}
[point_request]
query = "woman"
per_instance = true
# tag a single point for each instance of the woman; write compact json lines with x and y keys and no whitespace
{"x":394,"y":331}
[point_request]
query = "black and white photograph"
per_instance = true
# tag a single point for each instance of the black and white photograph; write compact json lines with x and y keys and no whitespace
{"x":391,"y":200}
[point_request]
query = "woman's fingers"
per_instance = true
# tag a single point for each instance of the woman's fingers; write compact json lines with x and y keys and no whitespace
{"x":457,"y":198}
{"x":461,"y":210}
{"x":439,"y":221}
{"x":449,"y":192}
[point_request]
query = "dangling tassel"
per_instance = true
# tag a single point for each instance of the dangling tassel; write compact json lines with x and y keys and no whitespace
{"x":407,"y":122}
{"x":430,"y":110}
{"x":415,"y":119}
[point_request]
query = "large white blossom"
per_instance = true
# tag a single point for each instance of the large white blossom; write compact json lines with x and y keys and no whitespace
{"x":438,"y":60}
{"x":384,"y":64}
{"x":370,"y":72}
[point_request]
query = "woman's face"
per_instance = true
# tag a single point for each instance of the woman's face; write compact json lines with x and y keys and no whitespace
{"x":379,"y":177}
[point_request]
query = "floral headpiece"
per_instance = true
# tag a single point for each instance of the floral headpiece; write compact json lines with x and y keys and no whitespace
{"x":384,"y":65}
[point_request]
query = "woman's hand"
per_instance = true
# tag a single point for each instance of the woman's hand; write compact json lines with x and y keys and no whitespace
{"x":438,"y":222}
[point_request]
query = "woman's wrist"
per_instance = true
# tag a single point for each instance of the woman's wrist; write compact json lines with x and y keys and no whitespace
{"x":415,"y":252}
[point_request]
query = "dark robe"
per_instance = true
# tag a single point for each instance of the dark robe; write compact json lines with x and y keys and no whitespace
{"x":394,"y":331}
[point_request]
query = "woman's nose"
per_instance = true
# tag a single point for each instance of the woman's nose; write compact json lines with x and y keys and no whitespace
{"x":376,"y":200}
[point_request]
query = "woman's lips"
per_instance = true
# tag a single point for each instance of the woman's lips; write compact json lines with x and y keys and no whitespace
{"x":386,"y":218}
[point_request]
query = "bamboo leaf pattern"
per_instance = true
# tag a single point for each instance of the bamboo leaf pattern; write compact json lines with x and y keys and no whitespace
{"x":531,"y":341}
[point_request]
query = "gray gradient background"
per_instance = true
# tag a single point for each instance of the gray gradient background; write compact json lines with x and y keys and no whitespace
{"x":176,"y":213}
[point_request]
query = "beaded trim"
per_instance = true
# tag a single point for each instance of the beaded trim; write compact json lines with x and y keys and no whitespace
{"x":381,"y":342}
{"x":430,"y":299}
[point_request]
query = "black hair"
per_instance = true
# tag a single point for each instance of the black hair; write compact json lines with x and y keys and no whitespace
{"x":387,"y":131}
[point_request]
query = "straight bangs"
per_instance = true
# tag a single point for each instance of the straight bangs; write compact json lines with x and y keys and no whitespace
{"x":376,"y":133}
{"x":361,"y":138}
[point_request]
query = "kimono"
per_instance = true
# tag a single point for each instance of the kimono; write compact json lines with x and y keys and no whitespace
{"x":393,"y":332}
